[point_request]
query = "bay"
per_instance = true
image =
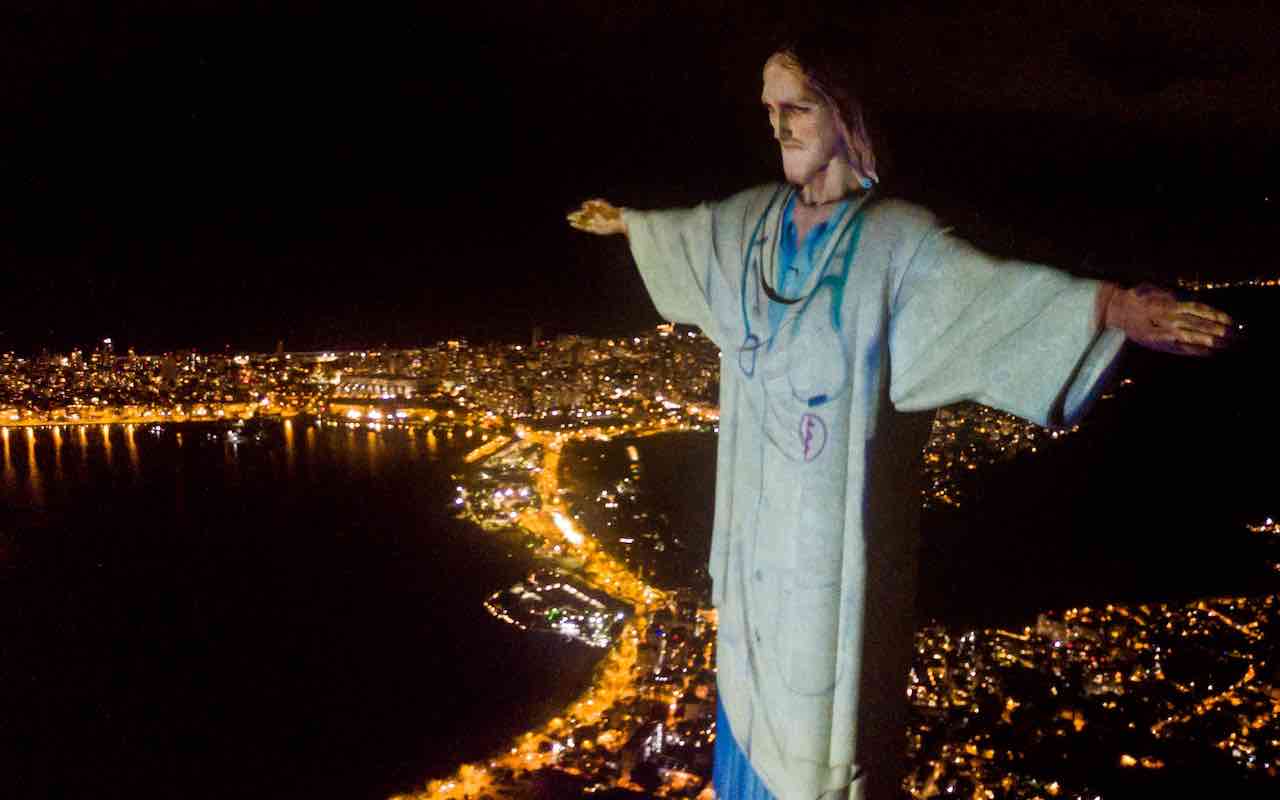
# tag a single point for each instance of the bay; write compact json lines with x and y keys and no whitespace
{"x":181,"y":616}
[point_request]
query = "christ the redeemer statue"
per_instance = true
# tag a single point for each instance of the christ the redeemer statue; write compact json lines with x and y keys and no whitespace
{"x":839,"y":313}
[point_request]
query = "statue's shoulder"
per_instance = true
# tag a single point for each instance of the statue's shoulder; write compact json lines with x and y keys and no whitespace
{"x":902,"y":215}
{"x":755,"y":200}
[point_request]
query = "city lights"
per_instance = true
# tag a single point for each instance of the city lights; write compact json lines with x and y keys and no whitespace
{"x":995,"y":712}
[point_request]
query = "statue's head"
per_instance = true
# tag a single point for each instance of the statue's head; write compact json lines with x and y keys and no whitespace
{"x":815,"y":109}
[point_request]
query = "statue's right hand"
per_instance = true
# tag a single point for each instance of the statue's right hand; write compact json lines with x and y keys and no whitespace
{"x":599,"y":217}
{"x":1155,"y":319}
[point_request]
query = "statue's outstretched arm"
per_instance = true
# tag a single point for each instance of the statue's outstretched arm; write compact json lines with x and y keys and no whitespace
{"x":1154,"y":318}
{"x":599,"y":217}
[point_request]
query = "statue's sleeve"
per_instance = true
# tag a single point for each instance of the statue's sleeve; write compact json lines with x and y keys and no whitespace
{"x":676,"y":252}
{"x":1015,"y":336}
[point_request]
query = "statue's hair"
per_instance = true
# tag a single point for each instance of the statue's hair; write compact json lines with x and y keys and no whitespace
{"x":836,"y":66}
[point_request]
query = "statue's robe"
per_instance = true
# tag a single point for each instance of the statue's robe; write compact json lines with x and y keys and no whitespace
{"x":813,"y":555}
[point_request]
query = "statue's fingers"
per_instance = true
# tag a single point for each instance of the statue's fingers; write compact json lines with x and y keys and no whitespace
{"x":1188,"y":322}
{"x":606,"y":210}
{"x":1206,"y":312}
{"x":1200,"y":339}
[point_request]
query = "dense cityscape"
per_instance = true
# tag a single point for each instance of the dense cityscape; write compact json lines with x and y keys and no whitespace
{"x":1032,"y":712}
{"x":664,"y":379}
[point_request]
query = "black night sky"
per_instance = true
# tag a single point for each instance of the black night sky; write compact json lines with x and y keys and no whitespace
{"x":201,"y":174}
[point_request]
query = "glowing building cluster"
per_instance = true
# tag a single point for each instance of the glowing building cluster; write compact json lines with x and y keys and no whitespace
{"x":105,"y":387}
{"x":1060,"y":707}
{"x":1197,"y":285}
{"x":551,"y":601}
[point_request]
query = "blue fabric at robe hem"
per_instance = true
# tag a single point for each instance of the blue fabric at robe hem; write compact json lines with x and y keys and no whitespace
{"x":731,"y":770}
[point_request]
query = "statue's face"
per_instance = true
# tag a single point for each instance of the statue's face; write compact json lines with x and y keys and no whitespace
{"x":803,"y":121}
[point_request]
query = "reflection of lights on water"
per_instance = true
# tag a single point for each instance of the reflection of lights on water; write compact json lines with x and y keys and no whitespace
{"x":131,"y":447}
{"x":9,"y":474}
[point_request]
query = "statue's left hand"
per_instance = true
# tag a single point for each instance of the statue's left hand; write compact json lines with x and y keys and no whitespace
{"x":1157,"y":320}
{"x":599,"y":217}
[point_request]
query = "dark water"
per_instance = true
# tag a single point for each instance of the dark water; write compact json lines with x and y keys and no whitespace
{"x":180,"y":617}
{"x":1147,"y":503}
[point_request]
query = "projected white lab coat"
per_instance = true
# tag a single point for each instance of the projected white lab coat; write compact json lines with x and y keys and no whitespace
{"x":817,"y":478}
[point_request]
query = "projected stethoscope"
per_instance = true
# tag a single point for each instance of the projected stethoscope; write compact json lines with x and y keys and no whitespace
{"x":818,"y":371}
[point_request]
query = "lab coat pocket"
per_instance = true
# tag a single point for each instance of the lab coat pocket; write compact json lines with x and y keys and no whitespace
{"x":808,"y":631}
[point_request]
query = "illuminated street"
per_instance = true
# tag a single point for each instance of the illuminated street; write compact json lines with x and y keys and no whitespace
{"x":616,"y":682}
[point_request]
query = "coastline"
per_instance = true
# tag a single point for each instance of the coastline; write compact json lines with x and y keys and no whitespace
{"x":511,"y":772}
{"x":334,"y":615}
